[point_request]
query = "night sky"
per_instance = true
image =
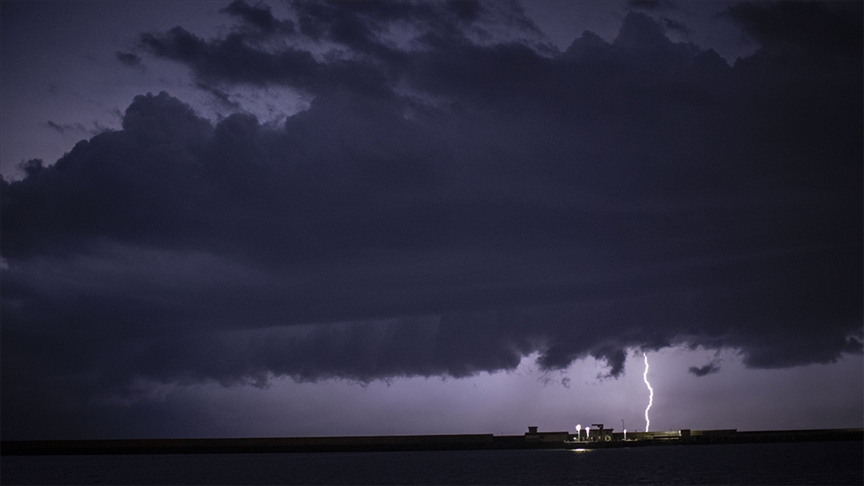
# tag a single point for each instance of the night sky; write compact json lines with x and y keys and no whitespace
{"x":250,"y":218}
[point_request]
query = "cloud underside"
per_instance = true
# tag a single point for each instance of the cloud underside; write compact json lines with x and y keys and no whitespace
{"x":456,"y":196}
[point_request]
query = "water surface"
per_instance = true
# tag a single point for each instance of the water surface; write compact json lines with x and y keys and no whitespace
{"x":788,"y":463}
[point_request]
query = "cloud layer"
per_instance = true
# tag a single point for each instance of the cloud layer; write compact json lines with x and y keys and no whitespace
{"x":457,"y":195}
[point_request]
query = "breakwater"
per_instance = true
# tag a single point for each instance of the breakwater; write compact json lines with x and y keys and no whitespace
{"x":535,"y":440}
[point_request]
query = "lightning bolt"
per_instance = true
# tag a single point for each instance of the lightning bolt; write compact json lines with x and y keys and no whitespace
{"x":650,"y":390}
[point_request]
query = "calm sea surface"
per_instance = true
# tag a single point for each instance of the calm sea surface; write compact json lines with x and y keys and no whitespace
{"x":796,"y":463}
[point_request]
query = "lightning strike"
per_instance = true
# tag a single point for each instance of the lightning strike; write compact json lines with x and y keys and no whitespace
{"x":651,"y":393}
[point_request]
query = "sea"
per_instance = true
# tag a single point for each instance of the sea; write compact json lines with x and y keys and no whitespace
{"x":824,"y":463}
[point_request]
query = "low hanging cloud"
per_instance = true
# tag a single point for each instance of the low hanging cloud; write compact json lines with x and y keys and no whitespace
{"x":63,"y":128}
{"x":707,"y":369}
{"x":454,"y":198}
{"x":128,"y":59}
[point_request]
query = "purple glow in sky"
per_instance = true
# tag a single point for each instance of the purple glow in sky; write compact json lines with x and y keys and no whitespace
{"x":227,"y":219}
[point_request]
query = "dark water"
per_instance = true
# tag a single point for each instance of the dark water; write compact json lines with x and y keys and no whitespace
{"x":797,"y":463}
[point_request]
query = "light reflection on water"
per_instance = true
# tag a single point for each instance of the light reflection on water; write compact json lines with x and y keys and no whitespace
{"x":793,"y":463}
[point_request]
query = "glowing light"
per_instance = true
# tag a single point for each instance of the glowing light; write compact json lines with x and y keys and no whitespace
{"x":578,"y":431}
{"x":625,"y":434}
{"x":651,"y":393}
{"x":587,"y":432}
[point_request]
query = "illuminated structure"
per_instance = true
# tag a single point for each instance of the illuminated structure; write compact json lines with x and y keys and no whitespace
{"x":600,"y":434}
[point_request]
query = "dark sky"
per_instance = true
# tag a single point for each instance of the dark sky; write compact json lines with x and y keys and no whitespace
{"x":314,"y":218}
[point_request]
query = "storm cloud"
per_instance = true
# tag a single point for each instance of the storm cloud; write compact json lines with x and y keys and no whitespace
{"x":457,"y":195}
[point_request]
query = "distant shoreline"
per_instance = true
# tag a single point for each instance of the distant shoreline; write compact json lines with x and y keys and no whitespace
{"x":415,"y":442}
